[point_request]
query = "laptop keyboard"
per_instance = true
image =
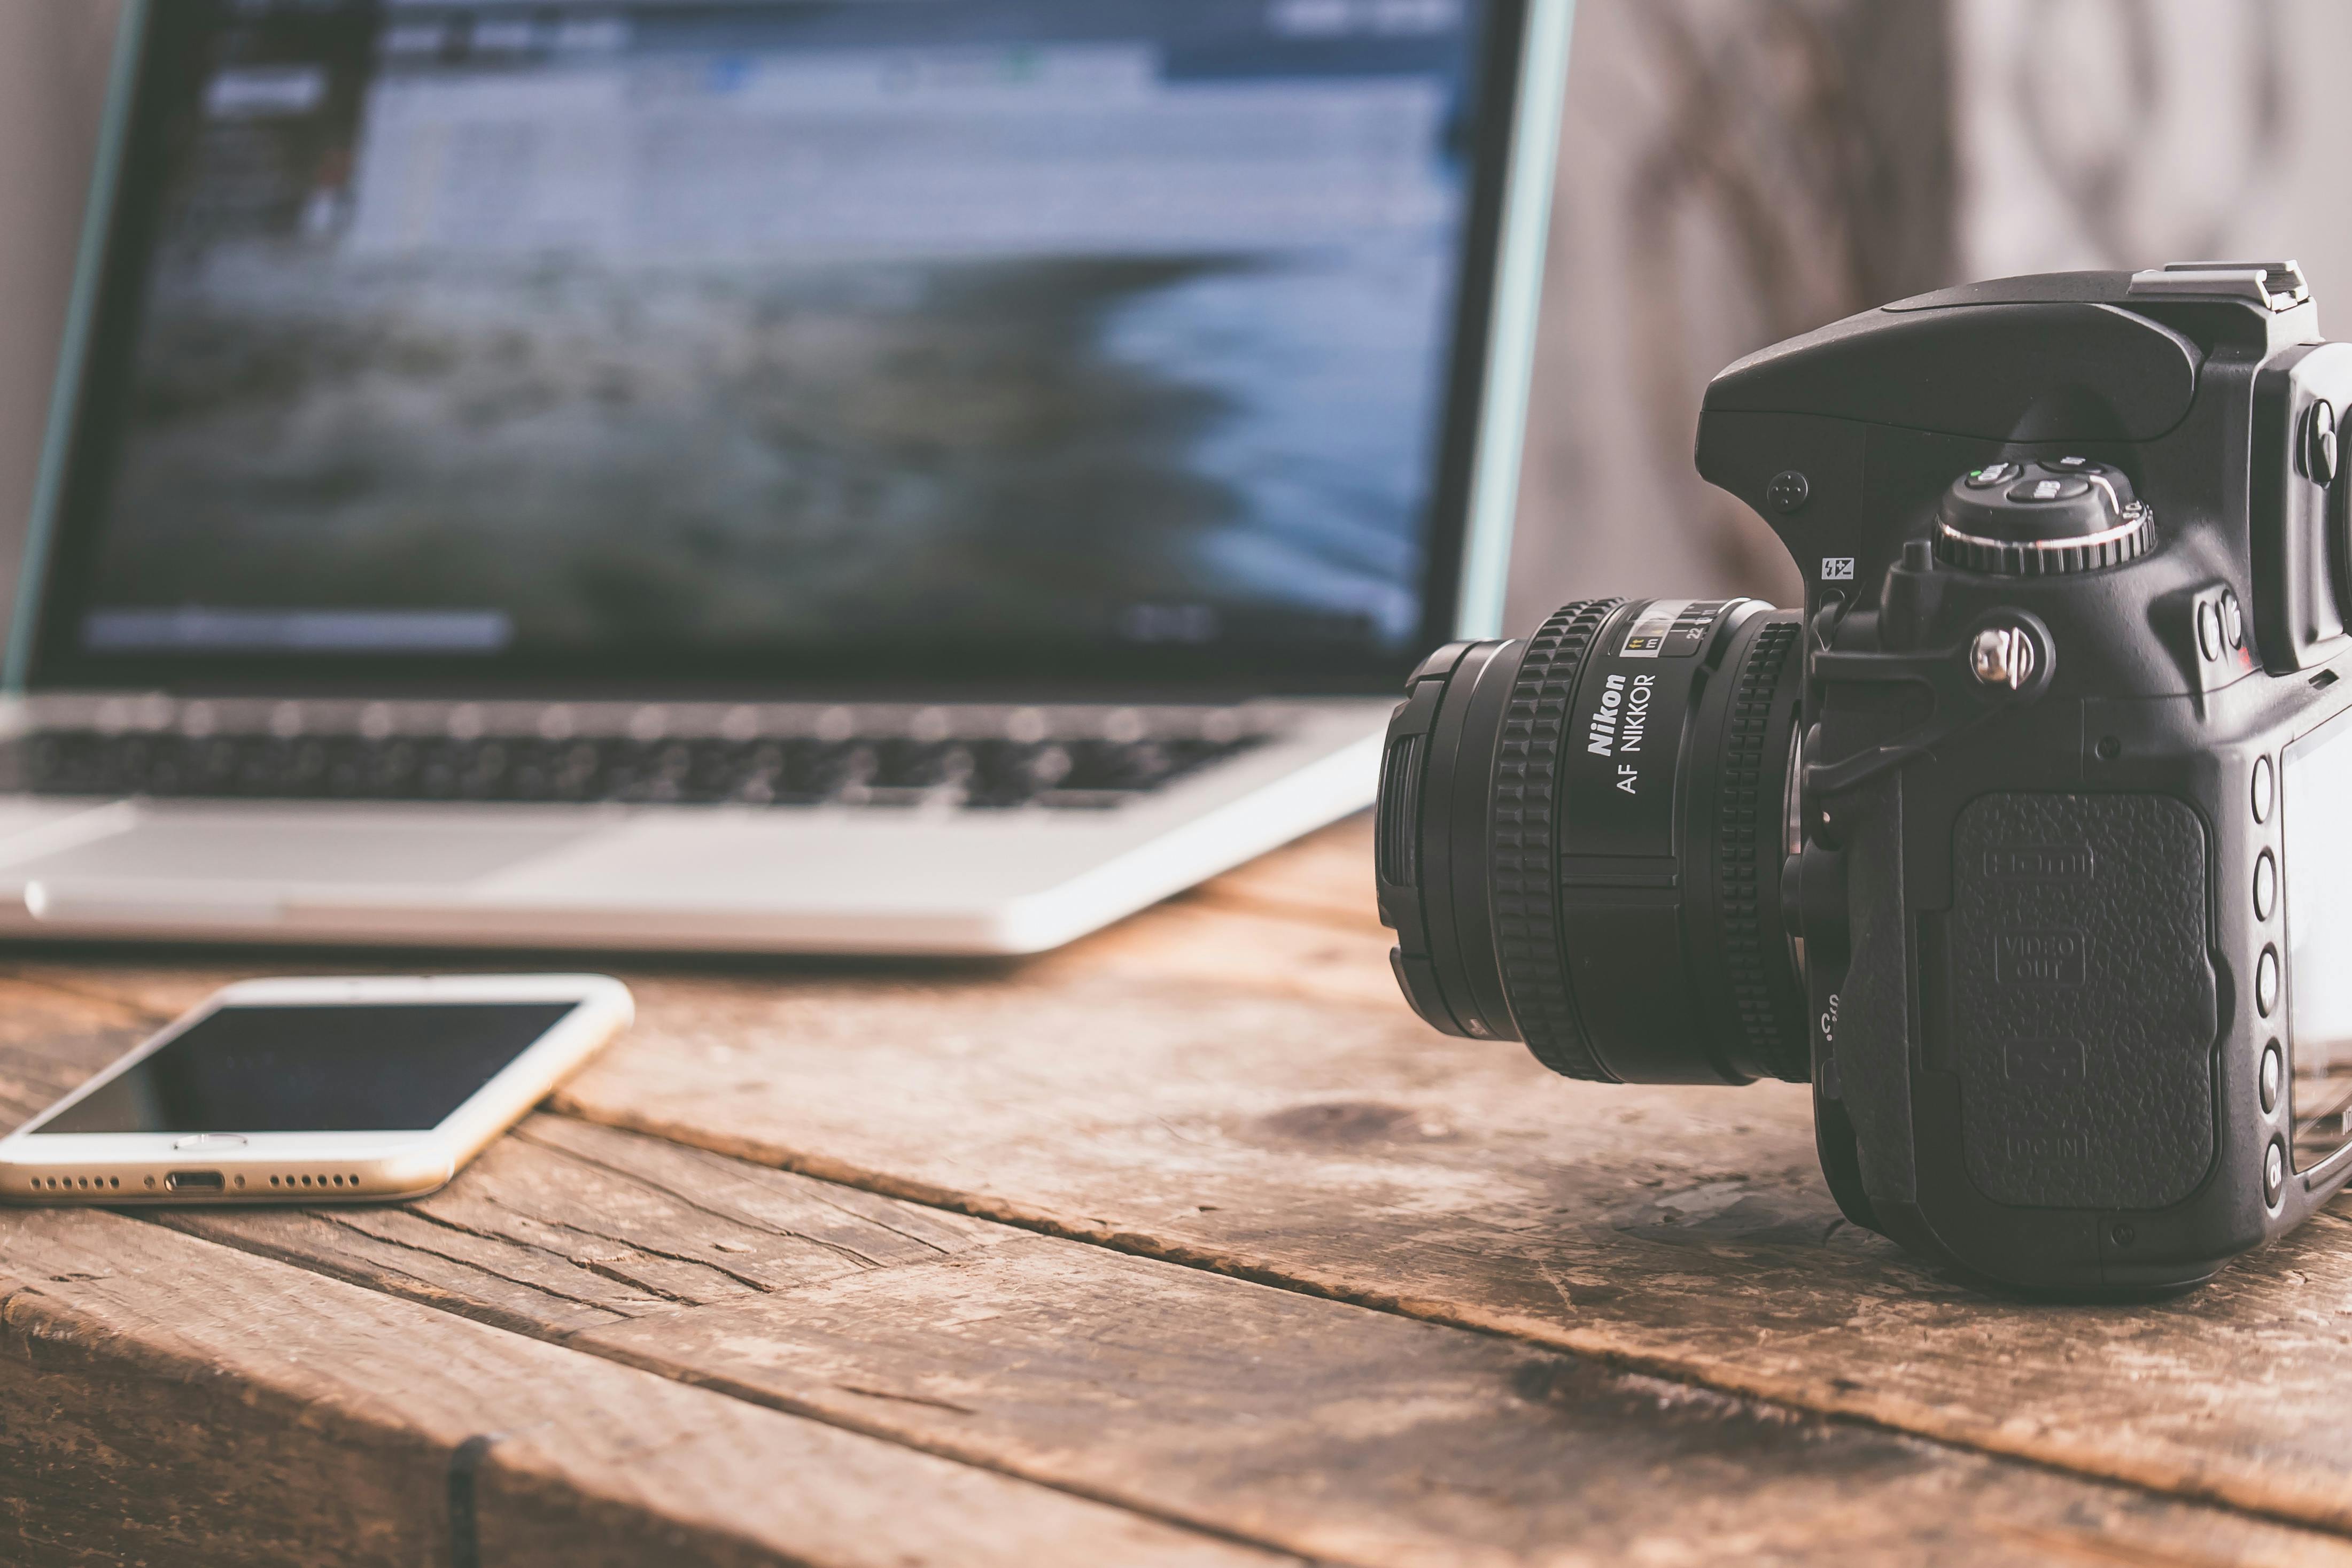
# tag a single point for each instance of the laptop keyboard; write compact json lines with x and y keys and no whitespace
{"x":1068,"y":773}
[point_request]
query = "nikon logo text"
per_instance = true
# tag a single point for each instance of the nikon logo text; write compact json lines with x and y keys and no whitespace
{"x":1622,"y":719}
{"x":2040,"y":863}
{"x":2040,"y":958}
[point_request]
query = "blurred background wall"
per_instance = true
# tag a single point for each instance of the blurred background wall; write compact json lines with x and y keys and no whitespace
{"x":1732,"y":172}
{"x":1735,"y":171}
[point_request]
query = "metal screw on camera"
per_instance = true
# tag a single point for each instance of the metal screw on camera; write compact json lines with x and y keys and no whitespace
{"x":2002,"y":656}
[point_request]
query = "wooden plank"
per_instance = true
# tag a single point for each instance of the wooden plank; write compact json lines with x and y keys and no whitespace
{"x":1348,"y":1150}
{"x":50,"y":1041}
{"x":167,"y":1400}
{"x":1310,"y":1425}
{"x":565,"y":1225}
{"x":1341,"y":1148}
{"x":1361,"y":1437}
{"x":1221,"y":951}
{"x":568,"y":1225}
{"x":1307,"y":1424}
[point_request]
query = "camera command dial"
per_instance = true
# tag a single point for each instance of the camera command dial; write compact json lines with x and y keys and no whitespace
{"x":2041,"y":518}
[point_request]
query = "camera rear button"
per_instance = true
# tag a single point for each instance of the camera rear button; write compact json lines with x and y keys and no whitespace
{"x":2273,"y":1173}
{"x":2209,"y":633}
{"x":2273,"y":1072}
{"x":2266,"y":983}
{"x":2265,"y":886}
{"x":1789,"y":490}
{"x":2265,"y":789}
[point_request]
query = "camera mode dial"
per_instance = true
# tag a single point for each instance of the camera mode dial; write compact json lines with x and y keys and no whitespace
{"x":2042,"y":517}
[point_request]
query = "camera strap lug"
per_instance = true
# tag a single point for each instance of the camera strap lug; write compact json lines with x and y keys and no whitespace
{"x":1954,"y":680}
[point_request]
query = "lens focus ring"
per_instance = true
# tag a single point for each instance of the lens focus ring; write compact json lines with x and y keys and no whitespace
{"x":1525,"y":868}
{"x":1748,"y":850}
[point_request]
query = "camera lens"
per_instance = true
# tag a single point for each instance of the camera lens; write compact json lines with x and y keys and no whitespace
{"x":1580,"y":838}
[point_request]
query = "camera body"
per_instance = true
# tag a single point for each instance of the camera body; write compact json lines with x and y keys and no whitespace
{"x":2047,"y":911}
{"x":2021,"y":842}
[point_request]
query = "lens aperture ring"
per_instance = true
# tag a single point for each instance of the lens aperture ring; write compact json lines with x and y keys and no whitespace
{"x":1526,"y":870}
{"x":1749,"y":849}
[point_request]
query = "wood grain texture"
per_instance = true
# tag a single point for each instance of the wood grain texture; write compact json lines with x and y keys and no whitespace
{"x":1292,"y":1421}
{"x":566,"y":1225}
{"x":1360,"y":1437}
{"x":1307,"y":1425}
{"x":51,"y":1039}
{"x":168,"y":1401}
{"x":1229,"y":1083}
{"x":1280,"y":1132}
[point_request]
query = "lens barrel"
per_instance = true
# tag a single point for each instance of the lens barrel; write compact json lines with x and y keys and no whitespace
{"x":1580,"y":838}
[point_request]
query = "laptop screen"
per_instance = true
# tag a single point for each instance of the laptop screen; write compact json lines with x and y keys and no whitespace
{"x":706,"y":340}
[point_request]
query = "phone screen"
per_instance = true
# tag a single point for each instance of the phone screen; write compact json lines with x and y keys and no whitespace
{"x":377,"y":1067}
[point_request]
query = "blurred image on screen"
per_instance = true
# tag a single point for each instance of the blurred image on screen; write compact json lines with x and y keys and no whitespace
{"x":475,"y":329}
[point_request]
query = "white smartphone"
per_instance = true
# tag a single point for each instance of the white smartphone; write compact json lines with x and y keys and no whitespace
{"x":315,"y":1090}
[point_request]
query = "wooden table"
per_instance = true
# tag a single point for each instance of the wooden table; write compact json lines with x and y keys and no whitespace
{"x":1186,"y":1245}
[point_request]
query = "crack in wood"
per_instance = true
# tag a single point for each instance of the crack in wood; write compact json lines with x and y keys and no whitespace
{"x":595,"y":1266}
{"x":905,"y":1398}
{"x":724,"y":1164}
{"x":731,"y":1215}
{"x":467,"y":1263}
{"x":374,"y":1275}
{"x":586,"y":1264}
{"x":878,"y":1223}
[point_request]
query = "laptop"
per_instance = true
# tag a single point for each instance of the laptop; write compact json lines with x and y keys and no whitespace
{"x":850,"y":476}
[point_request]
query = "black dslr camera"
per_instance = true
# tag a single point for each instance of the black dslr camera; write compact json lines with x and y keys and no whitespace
{"x":2028,"y":843}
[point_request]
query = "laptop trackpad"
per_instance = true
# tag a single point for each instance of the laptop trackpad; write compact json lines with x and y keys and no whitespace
{"x":285,"y":851}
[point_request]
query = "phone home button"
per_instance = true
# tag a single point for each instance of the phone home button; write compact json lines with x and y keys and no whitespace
{"x":210,"y":1140}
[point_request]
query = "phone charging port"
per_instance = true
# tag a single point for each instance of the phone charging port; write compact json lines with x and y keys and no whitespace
{"x":194,"y":1181}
